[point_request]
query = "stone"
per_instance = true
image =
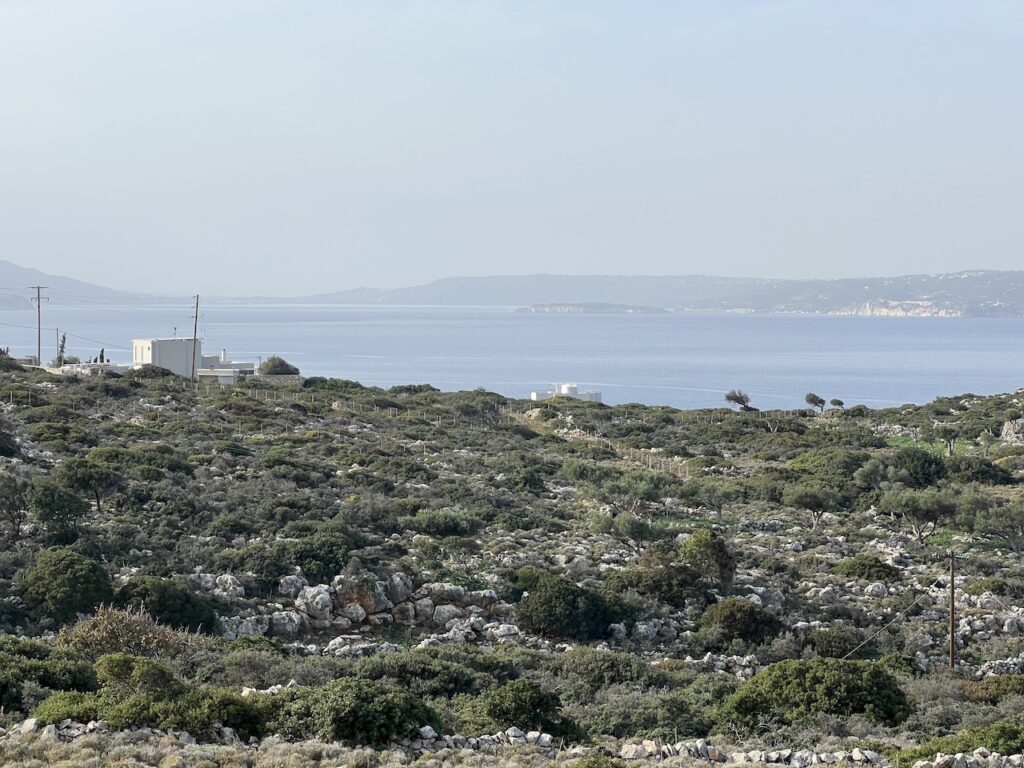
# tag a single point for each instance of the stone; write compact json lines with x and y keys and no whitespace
{"x":445,"y":613}
{"x":398,"y":588}
{"x":29,"y":726}
{"x":287,"y":625}
{"x":354,"y":612}
{"x":633,"y":752}
{"x":877,"y":589}
{"x":405,"y":613}
{"x":424,"y":609}
{"x":291,"y":586}
{"x":230,"y":585}
{"x":315,"y":602}
{"x":49,"y":733}
{"x":426,"y":732}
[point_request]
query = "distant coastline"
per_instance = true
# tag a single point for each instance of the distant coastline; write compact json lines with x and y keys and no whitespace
{"x":590,"y":308}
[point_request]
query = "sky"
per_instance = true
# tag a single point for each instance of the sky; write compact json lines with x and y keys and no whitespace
{"x":288,"y":147}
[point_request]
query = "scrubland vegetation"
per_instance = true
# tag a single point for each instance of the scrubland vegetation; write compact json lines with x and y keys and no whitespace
{"x":374,"y":561}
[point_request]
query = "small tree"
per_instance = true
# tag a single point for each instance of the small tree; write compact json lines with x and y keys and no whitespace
{"x":63,"y":583}
{"x":58,"y":508}
{"x":278,"y":366}
{"x":738,"y":397}
{"x":708,"y":553}
{"x":522,"y":703}
{"x":923,"y":511}
{"x":835,"y":402}
{"x":739,"y":619}
{"x":815,"y":401}
{"x":87,"y":476}
{"x":816,"y":499}
{"x":1004,"y":525}
{"x":13,"y":502}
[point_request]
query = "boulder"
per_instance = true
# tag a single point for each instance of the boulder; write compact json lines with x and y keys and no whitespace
{"x":230,"y":585}
{"x":287,"y":625}
{"x":877,"y":589}
{"x":291,"y":586}
{"x":354,"y":612}
{"x":315,"y":602}
{"x":445,"y":613}
{"x":398,"y":588}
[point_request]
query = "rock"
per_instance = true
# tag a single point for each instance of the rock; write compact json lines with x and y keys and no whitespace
{"x":230,"y":585}
{"x":49,"y":733}
{"x":877,"y":589}
{"x":29,"y":726}
{"x":426,"y":732}
{"x":381,"y":603}
{"x":354,"y":612}
{"x":424,"y":609}
{"x":291,"y":586}
{"x":398,"y":588}
{"x":405,"y":613}
{"x":1013,"y":432}
{"x":633,"y":752}
{"x":288,"y":625}
{"x":445,"y":613}
{"x":315,"y":602}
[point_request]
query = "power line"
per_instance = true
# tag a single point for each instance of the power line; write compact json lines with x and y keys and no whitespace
{"x":39,"y":321}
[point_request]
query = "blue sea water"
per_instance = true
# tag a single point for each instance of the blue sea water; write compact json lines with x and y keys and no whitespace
{"x":684,"y":360}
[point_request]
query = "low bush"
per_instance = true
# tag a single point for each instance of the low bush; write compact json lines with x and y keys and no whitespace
{"x":868,"y":568}
{"x":169,"y":603}
{"x":739,"y":619}
{"x":559,"y":608}
{"x":793,"y":690}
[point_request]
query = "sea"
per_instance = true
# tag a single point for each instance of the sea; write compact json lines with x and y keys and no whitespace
{"x":686,"y":360}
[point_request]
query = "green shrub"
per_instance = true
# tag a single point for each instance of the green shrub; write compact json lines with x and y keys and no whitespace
{"x":992,"y":690}
{"x":169,"y":603}
{"x":559,"y":608}
{"x":357,"y":712}
{"x":128,"y":675}
{"x":131,"y":631}
{"x":443,"y":522}
{"x":68,"y":705}
{"x":1005,"y":737}
{"x":588,"y":671}
{"x":793,"y":690}
{"x":522,"y":703}
{"x":24,"y":661}
{"x":277,"y":366}
{"x":708,"y":553}
{"x":739,"y":619}
{"x":63,"y":583}
{"x":869,"y":568}
{"x":421,"y":674}
{"x":597,"y":761}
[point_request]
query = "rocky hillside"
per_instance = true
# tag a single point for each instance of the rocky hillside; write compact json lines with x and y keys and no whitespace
{"x":249,"y":573}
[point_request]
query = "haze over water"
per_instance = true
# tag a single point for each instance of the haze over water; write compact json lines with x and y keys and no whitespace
{"x":684,"y":360}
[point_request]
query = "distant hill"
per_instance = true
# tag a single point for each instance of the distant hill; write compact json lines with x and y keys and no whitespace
{"x":15,"y":293}
{"x":961,"y":294}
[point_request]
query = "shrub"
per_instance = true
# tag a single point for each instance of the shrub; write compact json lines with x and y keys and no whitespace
{"x":792,"y":690}
{"x":1005,"y":737}
{"x":597,"y":761}
{"x":169,"y":603}
{"x":739,"y":619}
{"x":358,"y":712}
{"x":588,"y":670}
{"x":128,"y":675}
{"x":917,"y":467}
{"x":708,"y":553}
{"x":868,"y":568}
{"x":59,"y":509}
{"x":522,"y":703}
{"x":278,"y":366}
{"x":63,"y":583}
{"x":559,"y":608}
{"x":24,"y":661}
{"x":443,"y":522}
{"x":421,"y":674}
{"x":68,"y":705}
{"x":130,"y":631}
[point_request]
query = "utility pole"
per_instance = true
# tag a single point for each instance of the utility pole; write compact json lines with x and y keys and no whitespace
{"x":195,"y":337}
{"x":39,"y":320}
{"x":952,"y":614}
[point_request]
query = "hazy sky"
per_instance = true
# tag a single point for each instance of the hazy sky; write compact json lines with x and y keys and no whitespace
{"x":247,"y":146}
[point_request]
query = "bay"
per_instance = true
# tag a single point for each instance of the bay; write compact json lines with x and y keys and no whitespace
{"x":685,"y":360}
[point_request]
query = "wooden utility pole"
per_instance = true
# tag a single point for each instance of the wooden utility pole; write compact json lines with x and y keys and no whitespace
{"x":952,"y":611}
{"x":195,"y":339}
{"x":39,"y":321}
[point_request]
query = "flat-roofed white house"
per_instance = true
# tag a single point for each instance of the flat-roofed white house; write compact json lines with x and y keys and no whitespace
{"x":566,"y":390}
{"x":220,"y":369}
{"x":176,"y":355}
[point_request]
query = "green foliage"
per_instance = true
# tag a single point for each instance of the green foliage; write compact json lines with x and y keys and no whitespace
{"x":739,"y":619}
{"x":443,"y":522}
{"x":793,"y":690}
{"x":277,"y":366}
{"x":1005,"y":737}
{"x":357,"y":712}
{"x":68,"y":705}
{"x":522,"y":703}
{"x":169,"y":603}
{"x":113,"y":630}
{"x":63,"y":583}
{"x":128,"y":675}
{"x":23,"y":661}
{"x":917,"y":468}
{"x":59,"y":509}
{"x":559,"y":608}
{"x":709,"y":555}
{"x":976,"y":469}
{"x":869,"y":568}
{"x":422,"y":674}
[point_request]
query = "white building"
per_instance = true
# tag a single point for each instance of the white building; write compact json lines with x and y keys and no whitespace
{"x":220,"y":369}
{"x":176,"y":355}
{"x":567,"y":390}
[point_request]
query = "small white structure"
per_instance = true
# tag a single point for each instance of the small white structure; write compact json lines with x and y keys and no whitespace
{"x":567,"y":390}
{"x":91,"y":369}
{"x":176,"y":355}
{"x":220,"y":369}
